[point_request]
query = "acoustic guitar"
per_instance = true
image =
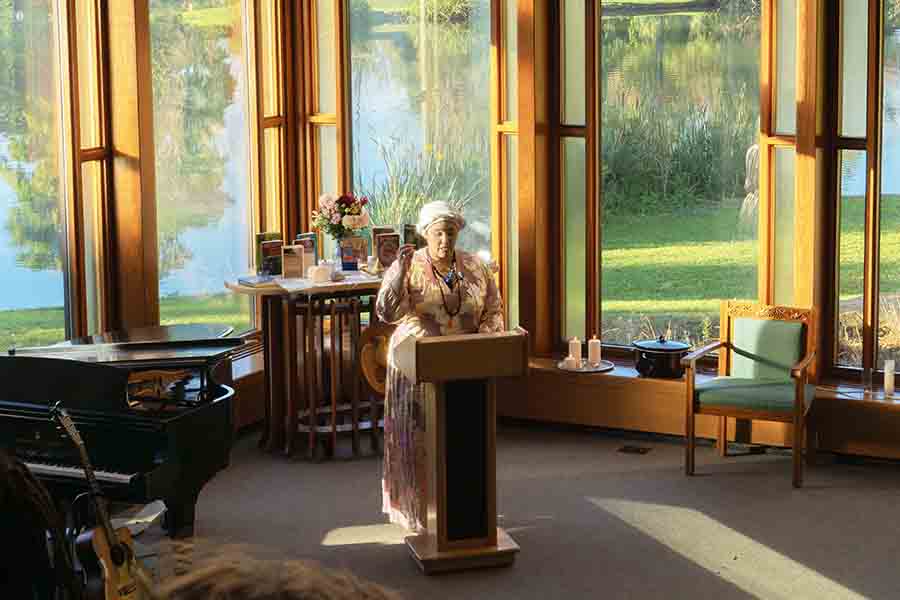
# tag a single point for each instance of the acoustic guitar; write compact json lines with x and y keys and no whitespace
{"x":106,"y":555}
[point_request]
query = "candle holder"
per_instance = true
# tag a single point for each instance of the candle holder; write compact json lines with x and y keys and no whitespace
{"x":583,"y":366}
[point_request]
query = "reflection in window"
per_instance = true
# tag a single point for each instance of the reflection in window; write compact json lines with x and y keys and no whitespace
{"x":680,"y":115}
{"x":889,"y":284}
{"x":201,"y":142}
{"x":421,"y":110}
{"x":32,"y":217}
{"x":852,"y":219}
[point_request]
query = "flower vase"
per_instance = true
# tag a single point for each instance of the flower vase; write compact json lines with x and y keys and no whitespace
{"x":336,"y":260}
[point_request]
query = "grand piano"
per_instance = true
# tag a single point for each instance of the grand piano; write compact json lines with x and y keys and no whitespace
{"x":154,"y":417}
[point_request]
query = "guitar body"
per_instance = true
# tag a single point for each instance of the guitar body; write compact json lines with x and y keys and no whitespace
{"x":103,"y":579}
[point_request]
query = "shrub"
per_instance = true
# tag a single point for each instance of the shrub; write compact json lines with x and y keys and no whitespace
{"x":442,"y":11}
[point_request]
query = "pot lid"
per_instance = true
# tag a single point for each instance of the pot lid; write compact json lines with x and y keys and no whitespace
{"x":662,"y":345}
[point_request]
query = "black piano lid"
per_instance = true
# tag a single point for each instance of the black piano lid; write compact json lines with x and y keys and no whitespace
{"x":163,"y":354}
{"x":76,"y":385}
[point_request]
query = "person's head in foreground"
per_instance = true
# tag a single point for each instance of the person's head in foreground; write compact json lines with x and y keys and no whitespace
{"x":236,"y":576}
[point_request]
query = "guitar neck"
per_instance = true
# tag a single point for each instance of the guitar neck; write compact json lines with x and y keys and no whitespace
{"x":96,"y":493}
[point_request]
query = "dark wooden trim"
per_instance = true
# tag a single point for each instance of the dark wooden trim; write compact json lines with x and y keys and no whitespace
{"x":272,"y":122}
{"x":133,"y":166}
{"x":92,"y":154}
{"x":536,"y":150}
{"x":766,"y":210}
{"x":592,"y":170}
{"x":498,"y":178}
{"x":832,"y":201}
{"x":577,"y":131}
{"x":807,"y":234}
{"x":344,"y":131}
{"x":258,"y":156}
{"x":845,"y":143}
{"x":76,"y":302}
{"x":290,"y":207}
{"x":873,"y":187}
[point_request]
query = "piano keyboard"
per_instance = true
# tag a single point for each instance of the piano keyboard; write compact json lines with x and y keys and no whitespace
{"x":46,"y":470}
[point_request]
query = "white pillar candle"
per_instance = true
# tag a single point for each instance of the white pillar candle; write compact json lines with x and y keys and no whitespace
{"x":889,"y":377}
{"x":575,"y":348}
{"x":570,"y":362}
{"x":594,"y":351}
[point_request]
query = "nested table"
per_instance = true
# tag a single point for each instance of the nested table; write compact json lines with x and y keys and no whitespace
{"x":328,"y":390}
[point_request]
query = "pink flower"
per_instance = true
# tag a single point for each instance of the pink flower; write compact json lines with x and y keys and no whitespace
{"x":336,"y":219}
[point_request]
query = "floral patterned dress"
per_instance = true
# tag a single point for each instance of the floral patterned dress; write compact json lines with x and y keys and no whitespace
{"x":414,"y":301}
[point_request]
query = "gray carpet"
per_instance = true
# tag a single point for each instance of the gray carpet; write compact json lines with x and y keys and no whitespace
{"x":592,"y":522}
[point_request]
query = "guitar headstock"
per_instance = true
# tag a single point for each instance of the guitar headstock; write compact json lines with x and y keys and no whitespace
{"x":59,"y":414}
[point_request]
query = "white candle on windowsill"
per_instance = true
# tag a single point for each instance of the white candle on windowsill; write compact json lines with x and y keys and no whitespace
{"x":888,"y":378}
{"x":594,"y":351}
{"x":575,"y":349}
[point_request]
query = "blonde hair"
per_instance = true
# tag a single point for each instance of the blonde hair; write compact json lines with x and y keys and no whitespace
{"x":237,"y":576}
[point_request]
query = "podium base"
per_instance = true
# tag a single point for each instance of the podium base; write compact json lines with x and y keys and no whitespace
{"x":423,"y":548}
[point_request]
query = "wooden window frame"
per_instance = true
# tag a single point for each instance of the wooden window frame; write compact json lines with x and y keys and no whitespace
{"x":871,"y":143}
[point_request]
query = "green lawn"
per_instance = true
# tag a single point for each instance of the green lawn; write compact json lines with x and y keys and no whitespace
{"x":40,"y":326}
{"x":658,"y":271}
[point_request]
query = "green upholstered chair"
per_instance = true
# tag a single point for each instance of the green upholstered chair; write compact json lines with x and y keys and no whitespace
{"x":764,"y":355}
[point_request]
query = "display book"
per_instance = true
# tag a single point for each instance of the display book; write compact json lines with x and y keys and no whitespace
{"x":277,"y":259}
{"x":268,"y":246}
{"x":298,"y":258}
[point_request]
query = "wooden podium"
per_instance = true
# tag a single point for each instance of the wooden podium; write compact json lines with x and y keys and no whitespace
{"x":460,"y":410}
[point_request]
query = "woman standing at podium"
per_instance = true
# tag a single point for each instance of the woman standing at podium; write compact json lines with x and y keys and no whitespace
{"x":436,"y":290}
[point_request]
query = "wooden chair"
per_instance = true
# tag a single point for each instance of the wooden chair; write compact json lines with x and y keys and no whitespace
{"x":764,"y":356}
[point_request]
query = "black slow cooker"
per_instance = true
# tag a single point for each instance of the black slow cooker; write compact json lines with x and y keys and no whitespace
{"x":660,"y":357}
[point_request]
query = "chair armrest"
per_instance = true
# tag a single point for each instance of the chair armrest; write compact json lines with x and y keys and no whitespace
{"x":688,"y":359}
{"x":799,"y":369}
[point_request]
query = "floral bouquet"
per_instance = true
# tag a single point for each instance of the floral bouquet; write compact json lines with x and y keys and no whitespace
{"x":341,"y":216}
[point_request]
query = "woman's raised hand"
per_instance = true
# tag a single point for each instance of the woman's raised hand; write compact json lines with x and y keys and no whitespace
{"x":404,"y":256}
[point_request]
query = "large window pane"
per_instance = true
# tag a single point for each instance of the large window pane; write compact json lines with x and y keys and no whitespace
{"x":852,"y":217}
{"x":88,"y":74}
{"x":201,"y":143}
{"x":889,"y":299}
{"x":575,"y":199}
{"x":573,"y":41}
{"x":421,"y":110}
{"x":854,"y":67}
{"x":274,"y":168}
{"x":785,"y":200}
{"x":327,"y":66}
{"x":679,"y":114}
{"x":92,"y":220}
{"x":269,"y":56}
{"x":511,"y":39}
{"x":786,"y":66}
{"x":512,"y":229}
{"x":32,"y":218}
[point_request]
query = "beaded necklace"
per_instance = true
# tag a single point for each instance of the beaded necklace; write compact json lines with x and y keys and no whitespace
{"x":453,"y":277}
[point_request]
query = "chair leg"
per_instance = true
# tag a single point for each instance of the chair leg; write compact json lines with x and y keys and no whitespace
{"x":797,"y":452}
{"x":812,"y":441}
{"x":722,"y":439}
{"x":689,"y":458}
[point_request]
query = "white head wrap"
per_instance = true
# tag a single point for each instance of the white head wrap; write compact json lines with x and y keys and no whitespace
{"x":436,"y":211}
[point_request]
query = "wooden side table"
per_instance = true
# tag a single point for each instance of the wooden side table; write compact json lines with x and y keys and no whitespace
{"x":341,"y":304}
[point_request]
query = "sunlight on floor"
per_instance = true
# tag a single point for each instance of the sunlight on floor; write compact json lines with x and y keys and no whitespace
{"x":731,"y":555}
{"x":386,"y":533}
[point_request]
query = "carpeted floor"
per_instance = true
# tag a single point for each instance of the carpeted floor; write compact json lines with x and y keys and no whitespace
{"x":592,"y":522}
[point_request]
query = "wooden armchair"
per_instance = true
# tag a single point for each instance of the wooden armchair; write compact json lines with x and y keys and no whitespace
{"x":764,"y":356}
